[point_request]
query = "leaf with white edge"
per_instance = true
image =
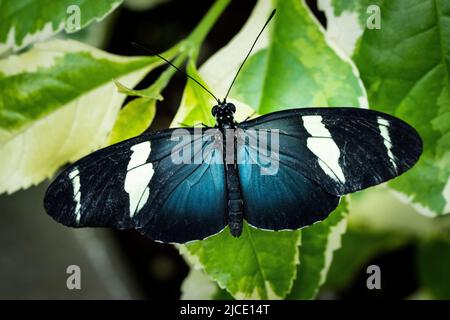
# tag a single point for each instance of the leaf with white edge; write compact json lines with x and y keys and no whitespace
{"x":133,"y":119}
{"x":222,"y":294}
{"x":344,"y":22}
{"x":318,"y":243}
{"x":23,"y":22}
{"x":196,"y":104}
{"x":58,"y":102}
{"x":198,"y":286}
{"x":154,"y":91}
{"x":292,"y":65}
{"x":257,"y":265}
{"x":138,"y":114}
{"x":406,"y":69}
{"x":219,"y":70}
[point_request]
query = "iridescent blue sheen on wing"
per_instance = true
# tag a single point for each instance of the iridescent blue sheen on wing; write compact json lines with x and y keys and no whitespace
{"x":285,"y":200}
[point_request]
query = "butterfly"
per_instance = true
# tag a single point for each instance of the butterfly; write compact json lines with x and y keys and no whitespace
{"x":280,"y":171}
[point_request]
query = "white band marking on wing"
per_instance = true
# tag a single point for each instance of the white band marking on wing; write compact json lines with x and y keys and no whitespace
{"x":383,"y":125}
{"x":74,"y":175}
{"x":138,"y":177}
{"x":325,"y":149}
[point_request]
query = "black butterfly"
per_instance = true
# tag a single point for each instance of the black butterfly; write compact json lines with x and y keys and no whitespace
{"x":292,"y":178}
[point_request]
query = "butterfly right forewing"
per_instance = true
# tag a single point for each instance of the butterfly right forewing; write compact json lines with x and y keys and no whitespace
{"x":322,"y":154}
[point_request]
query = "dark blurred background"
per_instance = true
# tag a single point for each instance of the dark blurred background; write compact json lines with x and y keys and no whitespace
{"x":35,"y":251}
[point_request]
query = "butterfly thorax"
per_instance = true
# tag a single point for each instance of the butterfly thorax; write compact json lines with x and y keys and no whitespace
{"x":224,"y":114}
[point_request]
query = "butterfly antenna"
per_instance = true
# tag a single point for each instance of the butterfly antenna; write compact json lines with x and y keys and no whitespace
{"x":178,"y":69}
{"x":248,"y":54}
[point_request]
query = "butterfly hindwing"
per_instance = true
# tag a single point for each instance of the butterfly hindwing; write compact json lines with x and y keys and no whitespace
{"x":342,"y":150}
{"x":137,"y":184}
{"x":284,"y":200}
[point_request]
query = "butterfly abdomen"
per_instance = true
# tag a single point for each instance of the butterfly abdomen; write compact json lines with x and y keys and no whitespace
{"x":235,"y":214}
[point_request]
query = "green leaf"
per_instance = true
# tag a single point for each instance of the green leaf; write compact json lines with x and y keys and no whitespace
{"x":222,"y":294}
{"x":22,"y":21}
{"x":345,"y":21}
{"x":257,"y":265}
{"x":58,"y":102}
{"x":405,"y":67}
{"x":358,"y":7}
{"x":434,"y":266}
{"x":196,"y":104}
{"x":133,"y":119}
{"x":318,"y":243}
{"x":153,"y":92}
{"x":198,"y":286}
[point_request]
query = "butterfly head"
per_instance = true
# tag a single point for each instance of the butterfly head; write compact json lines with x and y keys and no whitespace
{"x":224,"y":113}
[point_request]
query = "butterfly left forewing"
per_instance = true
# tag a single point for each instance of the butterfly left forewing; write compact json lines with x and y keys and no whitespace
{"x":135,"y":183}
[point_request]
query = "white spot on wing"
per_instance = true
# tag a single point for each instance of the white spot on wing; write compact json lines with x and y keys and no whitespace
{"x":325,"y":149}
{"x":383,"y":125}
{"x":138,"y":177}
{"x":74,"y":175}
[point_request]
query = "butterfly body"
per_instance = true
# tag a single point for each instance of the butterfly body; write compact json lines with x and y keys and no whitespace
{"x":224,"y":115}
